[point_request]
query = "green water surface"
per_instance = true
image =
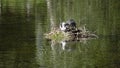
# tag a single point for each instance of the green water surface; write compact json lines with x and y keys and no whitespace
{"x":24,"y":22}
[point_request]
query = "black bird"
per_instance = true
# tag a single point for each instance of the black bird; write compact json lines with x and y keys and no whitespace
{"x":72,"y":23}
{"x":68,"y":26}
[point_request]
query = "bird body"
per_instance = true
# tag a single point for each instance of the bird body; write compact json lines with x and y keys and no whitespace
{"x":72,"y":23}
{"x":62,"y":26}
{"x":68,"y":26}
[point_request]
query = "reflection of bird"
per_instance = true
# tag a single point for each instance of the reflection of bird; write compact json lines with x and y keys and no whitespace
{"x":63,"y":44}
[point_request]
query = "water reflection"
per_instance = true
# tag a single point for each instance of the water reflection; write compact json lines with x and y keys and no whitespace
{"x":66,"y":45}
{"x":23,"y":23}
{"x":86,"y":54}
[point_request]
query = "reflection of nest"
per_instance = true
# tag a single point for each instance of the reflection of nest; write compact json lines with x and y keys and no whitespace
{"x":74,"y":35}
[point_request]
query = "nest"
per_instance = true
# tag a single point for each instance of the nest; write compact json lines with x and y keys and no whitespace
{"x":58,"y":35}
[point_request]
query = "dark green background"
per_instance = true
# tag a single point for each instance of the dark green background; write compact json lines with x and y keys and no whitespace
{"x":23,"y":23}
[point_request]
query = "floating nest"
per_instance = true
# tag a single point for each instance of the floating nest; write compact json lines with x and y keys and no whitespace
{"x":57,"y":35}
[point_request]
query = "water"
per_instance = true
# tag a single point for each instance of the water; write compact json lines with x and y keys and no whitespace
{"x":24,"y":22}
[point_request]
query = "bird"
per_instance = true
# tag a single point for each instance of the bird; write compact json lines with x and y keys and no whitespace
{"x":72,"y":23}
{"x":68,"y":26}
{"x":64,"y":26}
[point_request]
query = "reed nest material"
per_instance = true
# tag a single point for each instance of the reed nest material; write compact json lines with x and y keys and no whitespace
{"x":58,"y":35}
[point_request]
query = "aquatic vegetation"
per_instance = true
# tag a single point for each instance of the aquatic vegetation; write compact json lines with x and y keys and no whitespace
{"x":57,"y":35}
